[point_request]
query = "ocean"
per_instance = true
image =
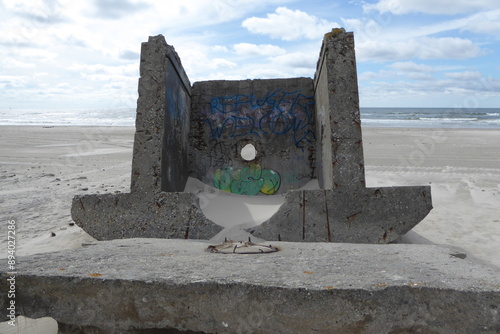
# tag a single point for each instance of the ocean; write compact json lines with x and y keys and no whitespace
{"x":484,"y":118}
{"x":370,"y":117}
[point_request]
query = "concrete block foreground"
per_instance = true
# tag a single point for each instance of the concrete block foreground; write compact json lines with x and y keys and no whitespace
{"x":143,"y":285}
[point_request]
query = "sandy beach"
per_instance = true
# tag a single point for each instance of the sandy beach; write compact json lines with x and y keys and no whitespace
{"x":463,"y":168}
{"x":42,"y":168}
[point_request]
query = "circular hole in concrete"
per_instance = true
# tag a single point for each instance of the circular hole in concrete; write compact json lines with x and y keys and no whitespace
{"x":248,"y":152}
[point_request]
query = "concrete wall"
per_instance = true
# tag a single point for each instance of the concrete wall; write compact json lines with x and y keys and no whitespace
{"x":275,"y":116}
{"x":344,"y":210}
{"x":324,"y":142}
{"x":176,"y":127}
{"x":160,"y":143}
{"x":284,"y":119}
{"x":156,"y":206}
{"x":339,"y":123}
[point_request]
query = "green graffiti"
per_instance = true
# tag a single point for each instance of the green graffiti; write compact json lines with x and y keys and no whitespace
{"x":250,"y":180}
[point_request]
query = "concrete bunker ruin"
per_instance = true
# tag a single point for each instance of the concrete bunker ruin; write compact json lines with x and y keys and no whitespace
{"x":305,"y":127}
{"x":300,"y":129}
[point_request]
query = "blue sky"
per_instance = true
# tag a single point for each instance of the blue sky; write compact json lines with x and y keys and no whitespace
{"x":410,"y":53}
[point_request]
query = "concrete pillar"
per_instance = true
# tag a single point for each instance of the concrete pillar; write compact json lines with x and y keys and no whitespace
{"x":337,"y":113}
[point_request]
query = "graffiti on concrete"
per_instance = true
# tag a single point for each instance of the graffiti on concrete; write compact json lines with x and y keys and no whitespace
{"x":277,"y":113}
{"x":220,"y":155}
{"x":250,"y":180}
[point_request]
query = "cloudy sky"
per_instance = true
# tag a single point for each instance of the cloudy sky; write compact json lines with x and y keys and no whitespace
{"x":411,"y":53}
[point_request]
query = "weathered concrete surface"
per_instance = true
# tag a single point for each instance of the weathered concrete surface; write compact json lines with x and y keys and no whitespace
{"x":363,"y":215}
{"x":127,"y":286}
{"x":167,"y":215}
{"x":301,"y":128}
{"x":345,"y":211}
{"x":338,"y":117}
{"x":275,"y":115}
{"x":162,"y":123}
{"x":156,"y":206}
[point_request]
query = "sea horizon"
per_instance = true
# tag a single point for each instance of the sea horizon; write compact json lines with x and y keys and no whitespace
{"x":397,"y":117}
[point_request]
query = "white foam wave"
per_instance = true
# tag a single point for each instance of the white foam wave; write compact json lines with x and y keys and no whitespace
{"x":448,"y":119}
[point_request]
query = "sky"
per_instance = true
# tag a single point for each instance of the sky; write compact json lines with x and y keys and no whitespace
{"x":63,"y":54}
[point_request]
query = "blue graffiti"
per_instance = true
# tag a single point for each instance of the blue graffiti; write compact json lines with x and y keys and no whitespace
{"x":278,"y":113}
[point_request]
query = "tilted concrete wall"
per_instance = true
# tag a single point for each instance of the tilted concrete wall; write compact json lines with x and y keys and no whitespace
{"x":174,"y":163}
{"x":156,"y":207}
{"x":159,"y":160}
{"x":338,"y":116}
{"x":344,"y":210}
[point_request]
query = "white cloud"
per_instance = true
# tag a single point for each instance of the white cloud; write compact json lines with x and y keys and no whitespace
{"x":465,"y":76}
{"x":408,"y":70}
{"x":455,"y":88}
{"x":100,"y":69}
{"x":409,"y":66}
{"x":115,"y":9}
{"x":33,"y":54}
{"x":297,"y":60}
{"x":15,"y":81}
{"x":448,"y":48}
{"x":421,"y":48}
{"x":365,"y":29}
{"x":11,"y":62}
{"x":368,"y":75}
{"x":15,"y":31}
{"x":247,"y":49}
{"x":44,"y":12}
{"x":419,"y":76}
{"x":40,"y":75}
{"x":219,"y":48}
{"x":417,"y":84}
{"x":487,"y":22}
{"x":303,"y":72}
{"x":268,"y":73}
{"x":217,"y":63}
{"x":446,"y":7}
{"x":221,"y":76}
{"x":204,"y":12}
{"x":53,"y":35}
{"x":483,"y":23}
{"x":196,"y":61}
{"x":129,"y":55}
{"x":288,"y":25}
{"x":123,"y":76}
{"x":413,"y":70}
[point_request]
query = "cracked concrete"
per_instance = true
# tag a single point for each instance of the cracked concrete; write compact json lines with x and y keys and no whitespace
{"x":134,"y":285}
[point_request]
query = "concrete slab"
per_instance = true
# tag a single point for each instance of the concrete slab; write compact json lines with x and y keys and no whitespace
{"x":135,"y":285}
